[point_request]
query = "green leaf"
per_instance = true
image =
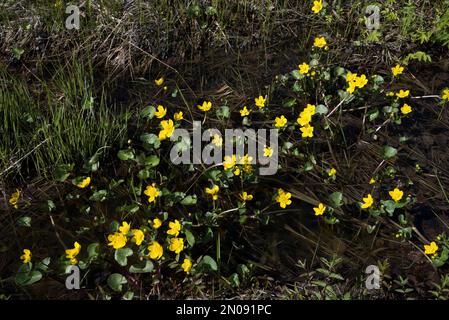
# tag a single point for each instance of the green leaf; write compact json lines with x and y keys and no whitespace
{"x":321,"y":109}
{"x":125,"y":155}
{"x":234,"y":279}
{"x":93,"y":250}
{"x":390,"y":206}
{"x":151,"y":139}
{"x":336,"y":199}
{"x":143,"y":267}
{"x":296,"y":87}
{"x":24,"y":221}
{"x":194,"y":11}
{"x":209,"y":262}
{"x":62,"y":172}
{"x":116,"y":281}
{"x":296,"y":74}
{"x":94,"y":163}
{"x":290,"y":103}
{"x":190,"y":237}
{"x":211,"y":11}
{"x":25,"y":276}
{"x":143,"y":174}
{"x":114,"y":225}
{"x":389,"y":152}
{"x":152,"y":161}
{"x":99,"y":195}
{"x":121,"y":256}
{"x":378,"y":79}
{"x":18,"y":52}
{"x":148,"y":112}
{"x":373,"y":115}
{"x":189,"y":200}
{"x":214,"y":174}
{"x":129,"y":295}
{"x":50,"y":206}
{"x":44,"y":264}
{"x":442,"y":258}
{"x":130,"y":208}
{"x":339,"y":71}
{"x":223,"y":112}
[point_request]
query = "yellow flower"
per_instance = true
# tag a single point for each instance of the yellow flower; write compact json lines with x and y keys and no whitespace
{"x":396,"y":194}
{"x":161,"y":112}
{"x":280,"y":121}
{"x":406,"y":109}
{"x":283,"y":198}
{"x":403,"y":94}
{"x":138,"y":236}
{"x":354,"y":81}
{"x":351,"y":77}
{"x":152,"y":192}
{"x":367,"y":202}
{"x":372,"y":181}
{"x":176,"y":245}
{"x":445,"y":94}
{"x":307,"y":131}
{"x":117,"y":240}
{"x":351,"y":88}
{"x":213,"y":191}
{"x":155,"y":250}
{"x":246,"y":162}
{"x":361,"y":81}
{"x":310,"y":108}
{"x":268,"y":152}
{"x":178,"y":116}
{"x":207,"y":105}
{"x":397,"y":70}
{"x":260,"y":102}
{"x":186,"y":265}
{"x":15,"y":198}
{"x":320,"y":42}
{"x":246,"y":159}
{"x":229,"y":162}
{"x":167,"y":129}
{"x":84,"y":183}
{"x":124,"y":229}
{"x":248,"y":168}
{"x":317,"y":6}
{"x":26,"y":257}
{"x":245,"y":196}
{"x":320,"y":209}
{"x":332,"y":172}
{"x":217,"y":140}
{"x":159,"y":82}
{"x":175,"y":227}
{"x":157,"y":223}
{"x":431,"y":248}
{"x":306,"y":115}
{"x":304,"y":68}
{"x":72,"y":253}
{"x":304,"y":118}
{"x":244,"y":112}
{"x":237,"y":171}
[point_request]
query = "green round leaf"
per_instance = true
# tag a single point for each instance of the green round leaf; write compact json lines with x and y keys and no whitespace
{"x":116,"y":281}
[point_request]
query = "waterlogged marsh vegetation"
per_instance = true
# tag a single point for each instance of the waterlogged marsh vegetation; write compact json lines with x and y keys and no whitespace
{"x":87,"y":180}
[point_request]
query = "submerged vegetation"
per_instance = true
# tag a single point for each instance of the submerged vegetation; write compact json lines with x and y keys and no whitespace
{"x":86,"y":178}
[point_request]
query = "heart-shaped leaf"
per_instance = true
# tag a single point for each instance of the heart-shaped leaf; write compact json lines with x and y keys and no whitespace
{"x":116,"y":281}
{"x":121,"y":256}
